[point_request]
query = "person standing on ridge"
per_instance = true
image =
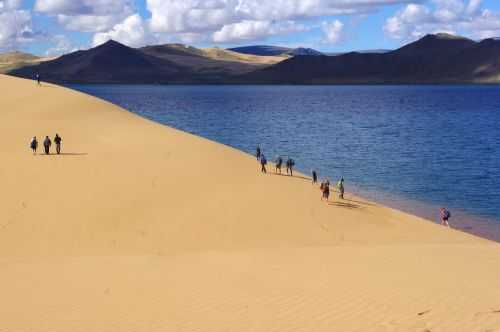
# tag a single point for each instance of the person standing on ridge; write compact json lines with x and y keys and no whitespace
{"x":289,"y":166}
{"x":340,"y":186}
{"x":325,"y":189}
{"x":263,"y":162}
{"x":258,"y":153}
{"x":279,"y":162}
{"x":46,"y":144}
{"x":314,"y":177}
{"x":445,"y":216}
{"x":34,"y":144}
{"x":38,"y":79}
{"x":58,"y":141}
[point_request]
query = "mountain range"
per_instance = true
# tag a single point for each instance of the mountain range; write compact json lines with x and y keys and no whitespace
{"x":435,"y":58}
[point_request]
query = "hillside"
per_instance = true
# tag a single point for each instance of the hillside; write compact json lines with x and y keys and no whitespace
{"x":437,"y":58}
{"x":14,"y":60}
{"x":267,"y":50}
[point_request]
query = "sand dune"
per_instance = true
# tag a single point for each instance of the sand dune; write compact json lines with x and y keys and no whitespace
{"x":140,"y":227}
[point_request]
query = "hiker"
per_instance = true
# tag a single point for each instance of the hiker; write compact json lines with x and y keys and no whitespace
{"x":325,"y":189}
{"x":46,"y":144}
{"x":289,"y":166}
{"x":34,"y":144}
{"x":315,"y":177}
{"x":340,"y":186}
{"x":279,"y":162}
{"x":263,"y":162}
{"x":258,"y":153}
{"x":58,"y":141}
{"x":38,"y":79}
{"x":445,"y":216}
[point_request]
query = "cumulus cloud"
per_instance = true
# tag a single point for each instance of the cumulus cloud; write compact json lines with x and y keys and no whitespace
{"x":15,"y":28}
{"x":86,"y":15}
{"x":6,"y":5}
{"x":453,"y":16}
{"x":332,"y":31}
{"x":233,"y":20}
{"x":130,"y":32}
{"x":61,"y":45}
{"x":253,"y":30}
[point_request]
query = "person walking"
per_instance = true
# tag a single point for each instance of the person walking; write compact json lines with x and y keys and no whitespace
{"x":279,"y":162}
{"x":38,"y":79}
{"x":263,"y":162}
{"x":46,"y":144}
{"x":340,"y":186}
{"x":34,"y":144}
{"x":314,"y":177}
{"x":325,"y":190}
{"x":289,"y":166}
{"x":445,"y":216}
{"x":58,"y":141}
{"x":258,"y":153}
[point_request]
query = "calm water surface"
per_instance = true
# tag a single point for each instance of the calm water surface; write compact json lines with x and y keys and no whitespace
{"x":412,"y":147}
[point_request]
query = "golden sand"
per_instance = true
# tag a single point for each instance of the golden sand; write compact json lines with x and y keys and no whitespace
{"x":140,"y":227}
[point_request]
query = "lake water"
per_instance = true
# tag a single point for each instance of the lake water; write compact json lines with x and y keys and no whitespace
{"x":412,"y":147}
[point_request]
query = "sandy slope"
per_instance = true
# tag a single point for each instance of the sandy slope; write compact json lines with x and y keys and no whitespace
{"x":145,"y":228}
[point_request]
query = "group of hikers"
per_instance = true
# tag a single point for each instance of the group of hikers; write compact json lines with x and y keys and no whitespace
{"x":290,"y":163}
{"x":445,"y":215}
{"x":47,"y":143}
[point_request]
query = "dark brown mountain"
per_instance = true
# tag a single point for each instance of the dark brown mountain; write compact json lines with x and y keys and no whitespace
{"x":437,"y":58}
{"x":113,"y":62}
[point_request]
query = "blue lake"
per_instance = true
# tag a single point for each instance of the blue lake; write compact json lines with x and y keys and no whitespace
{"x":413,"y":147}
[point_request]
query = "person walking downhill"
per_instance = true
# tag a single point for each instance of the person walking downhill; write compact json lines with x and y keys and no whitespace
{"x":38,"y":79}
{"x":314,"y":177}
{"x":279,"y":162}
{"x":258,"y":153}
{"x":46,"y":144}
{"x":445,"y":216}
{"x":289,"y":166}
{"x":263,"y":162}
{"x":58,"y":141}
{"x":340,"y":186}
{"x":34,"y":144}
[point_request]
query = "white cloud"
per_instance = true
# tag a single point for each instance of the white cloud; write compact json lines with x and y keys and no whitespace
{"x":15,"y":28}
{"x":6,"y":5}
{"x":62,"y":45}
{"x":453,"y":16}
{"x":333,"y":31}
{"x":86,"y":15}
{"x":130,"y":32}
{"x":254,"y":30}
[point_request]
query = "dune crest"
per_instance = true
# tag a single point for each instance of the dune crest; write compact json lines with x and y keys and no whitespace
{"x":141,"y":227}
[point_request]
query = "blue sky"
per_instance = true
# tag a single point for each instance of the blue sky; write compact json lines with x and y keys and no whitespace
{"x":53,"y":27}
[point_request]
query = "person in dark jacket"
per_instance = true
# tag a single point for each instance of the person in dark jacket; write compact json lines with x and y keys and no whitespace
{"x":34,"y":144}
{"x":46,"y":144}
{"x":58,"y":141}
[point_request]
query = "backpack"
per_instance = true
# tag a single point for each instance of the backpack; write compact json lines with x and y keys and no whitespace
{"x":447,"y":214}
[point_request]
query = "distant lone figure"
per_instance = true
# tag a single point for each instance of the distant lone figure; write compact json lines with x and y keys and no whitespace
{"x":340,"y":186}
{"x":34,"y":144}
{"x":445,"y":216}
{"x":315,"y":177}
{"x":325,"y":190}
{"x":263,"y":162}
{"x":258,"y":153}
{"x":58,"y":141}
{"x":46,"y":144}
{"x":289,"y":166}
{"x":38,"y":79}
{"x":279,"y":162}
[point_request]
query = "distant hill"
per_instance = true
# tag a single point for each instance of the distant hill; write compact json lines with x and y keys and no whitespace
{"x":113,"y":62}
{"x":437,"y":58}
{"x":267,"y":50}
{"x":14,"y":60}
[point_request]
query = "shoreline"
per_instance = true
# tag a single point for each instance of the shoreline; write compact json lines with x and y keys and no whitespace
{"x":143,"y":227}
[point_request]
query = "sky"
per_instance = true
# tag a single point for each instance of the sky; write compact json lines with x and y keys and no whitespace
{"x":54,"y":27}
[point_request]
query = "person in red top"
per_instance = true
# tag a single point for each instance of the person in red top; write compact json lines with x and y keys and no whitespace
{"x":445,"y":216}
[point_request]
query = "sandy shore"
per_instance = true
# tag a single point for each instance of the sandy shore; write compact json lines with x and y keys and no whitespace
{"x":140,"y":227}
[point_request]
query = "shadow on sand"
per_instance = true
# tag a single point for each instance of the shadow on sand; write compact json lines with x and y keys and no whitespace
{"x":64,"y":154}
{"x":291,"y":177}
{"x":345,"y":205}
